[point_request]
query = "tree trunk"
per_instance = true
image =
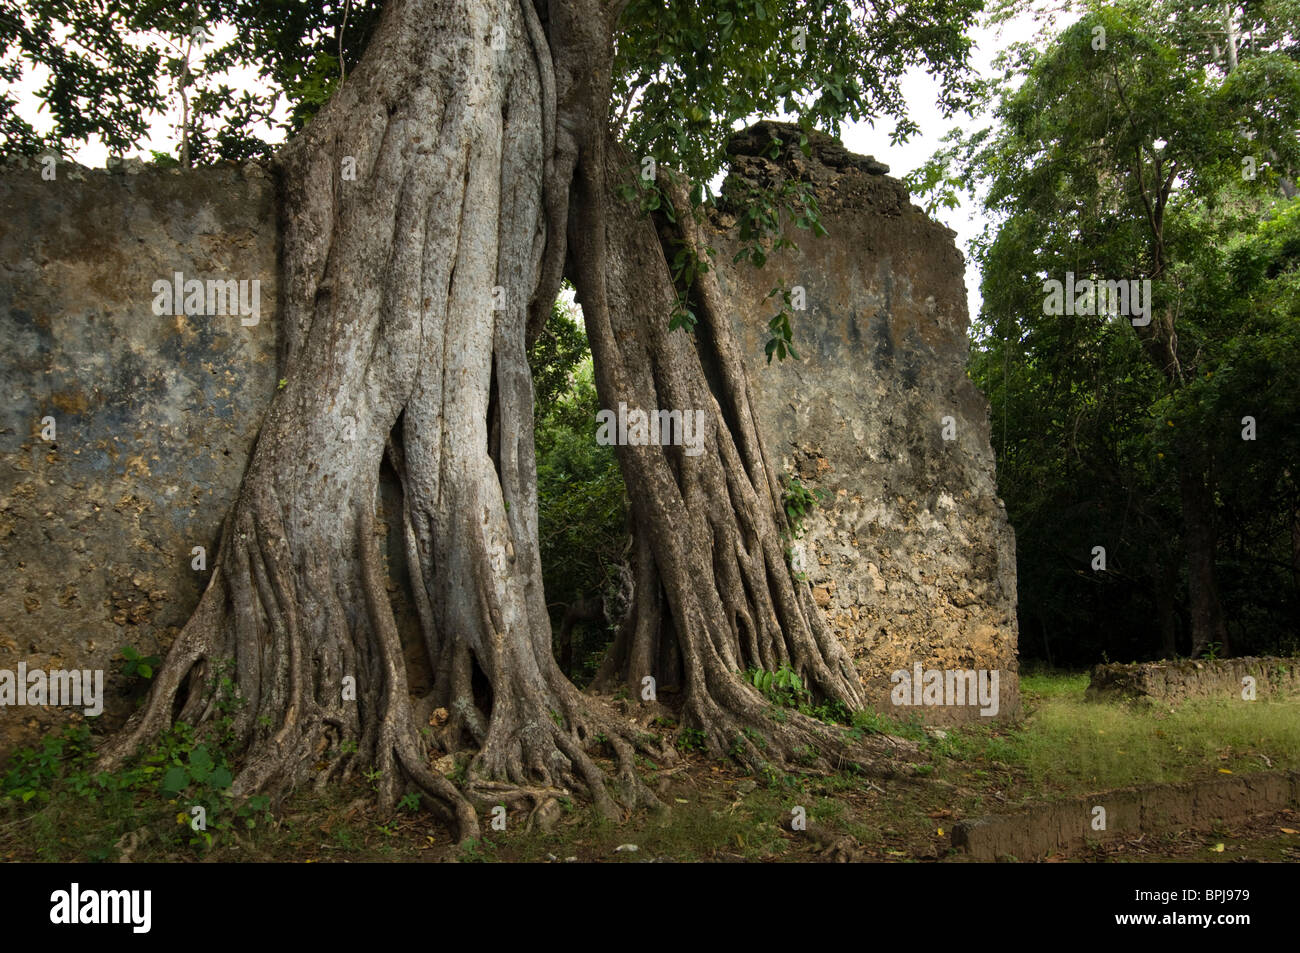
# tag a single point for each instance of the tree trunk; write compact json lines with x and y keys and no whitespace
{"x":1166,"y":585}
{"x":1160,"y":342}
{"x":407,"y":292}
{"x":1207,"y":622}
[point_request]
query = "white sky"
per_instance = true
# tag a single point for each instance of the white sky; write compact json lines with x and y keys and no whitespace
{"x":919,"y":90}
{"x":921,"y":93}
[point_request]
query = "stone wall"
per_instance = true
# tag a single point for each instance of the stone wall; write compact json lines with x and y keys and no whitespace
{"x":156,"y":415}
{"x":911,"y":556}
{"x":1172,"y":682}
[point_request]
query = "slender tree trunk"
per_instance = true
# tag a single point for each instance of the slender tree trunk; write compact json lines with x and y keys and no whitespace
{"x":1160,"y":342}
{"x":1207,"y":620}
{"x":1166,"y":584}
{"x":1295,"y":547}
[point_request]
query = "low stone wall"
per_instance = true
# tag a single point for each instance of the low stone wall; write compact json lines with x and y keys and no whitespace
{"x":1172,"y":682}
{"x":1041,"y":829}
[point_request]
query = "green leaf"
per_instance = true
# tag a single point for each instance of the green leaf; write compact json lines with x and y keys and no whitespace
{"x":174,"y":780}
{"x":222,"y":778}
{"x":200,"y":764}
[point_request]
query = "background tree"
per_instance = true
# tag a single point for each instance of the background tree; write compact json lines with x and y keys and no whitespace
{"x":1153,"y":142}
{"x":107,"y":61}
{"x":582,"y":503}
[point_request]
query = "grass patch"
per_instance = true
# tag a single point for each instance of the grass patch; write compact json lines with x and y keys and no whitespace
{"x":1068,"y":745}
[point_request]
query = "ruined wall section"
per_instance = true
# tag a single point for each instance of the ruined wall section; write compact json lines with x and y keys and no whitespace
{"x":911,"y":557}
{"x":154,"y":415}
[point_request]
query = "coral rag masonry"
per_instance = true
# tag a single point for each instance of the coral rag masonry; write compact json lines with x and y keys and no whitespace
{"x":911,"y":556}
{"x":156,"y":415}
{"x":213,"y":298}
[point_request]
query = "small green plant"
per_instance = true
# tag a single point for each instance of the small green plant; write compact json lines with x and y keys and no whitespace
{"x":32,"y":771}
{"x":477,"y":850}
{"x":135,"y":665}
{"x":196,"y":769}
{"x":409,"y":803}
{"x":783,"y":687}
{"x":283,"y":383}
{"x":691,"y":739}
{"x":1212,"y":650}
{"x":738,"y":746}
{"x":798,"y":501}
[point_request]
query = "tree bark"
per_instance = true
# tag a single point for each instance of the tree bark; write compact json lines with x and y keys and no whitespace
{"x":1160,"y":342}
{"x":1165,"y":581}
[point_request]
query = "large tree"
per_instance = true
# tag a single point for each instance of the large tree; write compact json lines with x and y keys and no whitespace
{"x":488,"y":165}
